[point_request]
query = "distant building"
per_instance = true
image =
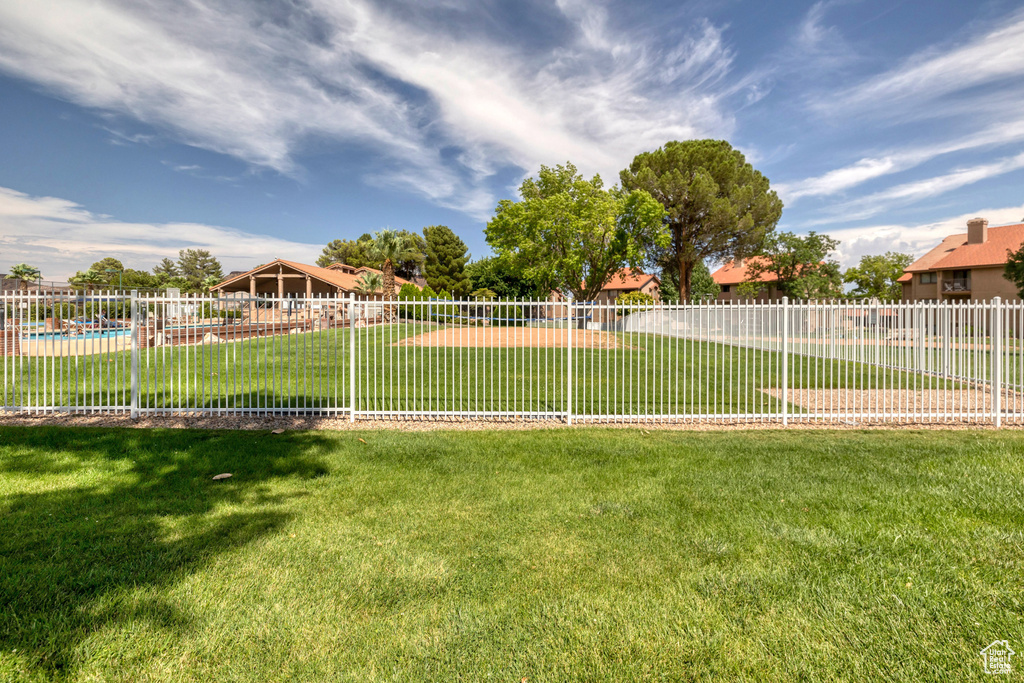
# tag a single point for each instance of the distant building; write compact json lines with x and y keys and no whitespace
{"x":624,"y":281}
{"x":290,"y":279}
{"x":965,"y":266}
{"x":629,"y":280}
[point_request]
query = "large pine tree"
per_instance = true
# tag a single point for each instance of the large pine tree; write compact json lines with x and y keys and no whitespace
{"x":445,"y":267}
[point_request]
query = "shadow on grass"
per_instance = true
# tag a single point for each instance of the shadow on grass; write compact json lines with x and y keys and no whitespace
{"x":98,"y":517}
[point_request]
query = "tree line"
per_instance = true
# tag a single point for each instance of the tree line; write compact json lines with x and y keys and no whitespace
{"x":195,"y":270}
{"x":675,"y":210}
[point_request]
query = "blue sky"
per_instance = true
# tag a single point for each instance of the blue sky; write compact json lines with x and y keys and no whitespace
{"x":265,"y":128}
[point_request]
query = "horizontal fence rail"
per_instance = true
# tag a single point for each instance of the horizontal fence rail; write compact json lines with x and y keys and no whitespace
{"x":361,"y":357}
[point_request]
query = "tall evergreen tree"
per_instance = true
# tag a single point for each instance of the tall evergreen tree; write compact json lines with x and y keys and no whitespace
{"x":445,"y":266}
{"x":167,"y":268}
{"x":196,"y":265}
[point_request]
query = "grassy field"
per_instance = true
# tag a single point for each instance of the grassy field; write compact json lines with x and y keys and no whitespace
{"x":646,"y":373}
{"x":603,"y":555}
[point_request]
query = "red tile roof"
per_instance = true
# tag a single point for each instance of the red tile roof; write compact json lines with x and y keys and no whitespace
{"x":732,"y":274}
{"x":630,"y":279}
{"x":955,"y":253}
{"x":337,"y":278}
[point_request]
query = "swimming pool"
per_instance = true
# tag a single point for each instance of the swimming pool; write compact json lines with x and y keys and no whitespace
{"x":88,"y":334}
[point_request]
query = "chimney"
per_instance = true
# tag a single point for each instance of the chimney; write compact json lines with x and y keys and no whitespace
{"x":977,"y":231}
{"x":738,"y":263}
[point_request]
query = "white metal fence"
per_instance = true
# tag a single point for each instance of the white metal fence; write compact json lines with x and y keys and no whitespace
{"x":782,"y":362}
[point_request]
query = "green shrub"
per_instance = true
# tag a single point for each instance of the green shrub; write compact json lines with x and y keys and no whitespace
{"x":410,"y":292}
{"x":634,"y":301}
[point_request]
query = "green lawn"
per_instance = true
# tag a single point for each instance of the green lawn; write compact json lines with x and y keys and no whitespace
{"x":647,"y":374}
{"x":596,"y":554}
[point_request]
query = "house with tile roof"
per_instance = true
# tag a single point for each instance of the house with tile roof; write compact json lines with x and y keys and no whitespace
{"x":965,"y":266}
{"x":730,"y":276}
{"x":630,"y":280}
{"x":623,"y":281}
{"x":290,"y":279}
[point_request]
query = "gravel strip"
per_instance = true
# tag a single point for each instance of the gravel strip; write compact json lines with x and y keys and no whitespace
{"x":441,"y":424}
{"x":834,"y":401}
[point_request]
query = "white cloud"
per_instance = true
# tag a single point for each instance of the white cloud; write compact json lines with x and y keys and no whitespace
{"x":870,"y":168}
{"x":262,"y":82}
{"x":996,"y":56}
{"x":915,"y":240}
{"x":60,"y":237}
{"x":879,"y":202}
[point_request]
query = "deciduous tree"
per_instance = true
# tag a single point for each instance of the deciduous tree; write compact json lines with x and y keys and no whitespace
{"x":570,"y":234}
{"x":499,"y":276}
{"x":876,"y":276}
{"x":109,"y":268}
{"x":718,"y":206}
{"x":1014,"y":270}
{"x":802,"y":266}
{"x":355,"y":253}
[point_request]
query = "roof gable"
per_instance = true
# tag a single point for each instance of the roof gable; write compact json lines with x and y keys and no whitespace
{"x":630,"y":279}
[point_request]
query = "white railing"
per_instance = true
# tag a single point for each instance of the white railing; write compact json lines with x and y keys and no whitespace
{"x":578,"y":362}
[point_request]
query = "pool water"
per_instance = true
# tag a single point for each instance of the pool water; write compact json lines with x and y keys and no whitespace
{"x":88,"y":334}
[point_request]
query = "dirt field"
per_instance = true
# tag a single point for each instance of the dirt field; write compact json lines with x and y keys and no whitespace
{"x":507,"y":337}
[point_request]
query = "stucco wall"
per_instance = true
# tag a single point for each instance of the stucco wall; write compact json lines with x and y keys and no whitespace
{"x":732,"y":296}
{"x":986,"y":283}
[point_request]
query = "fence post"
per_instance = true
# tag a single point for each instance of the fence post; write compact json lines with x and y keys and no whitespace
{"x":997,"y":367}
{"x":568,"y":375}
{"x":785,"y":361}
{"x":352,"y":356}
{"x":133,"y":308}
{"x":945,"y":337}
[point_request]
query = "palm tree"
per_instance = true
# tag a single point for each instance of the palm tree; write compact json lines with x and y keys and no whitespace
{"x":25,"y":273}
{"x":87,"y":280}
{"x":391,"y":247}
{"x":369,"y":283}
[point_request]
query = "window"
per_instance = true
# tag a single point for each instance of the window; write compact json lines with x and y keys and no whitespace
{"x":929,"y":278}
{"x":725,"y":288}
